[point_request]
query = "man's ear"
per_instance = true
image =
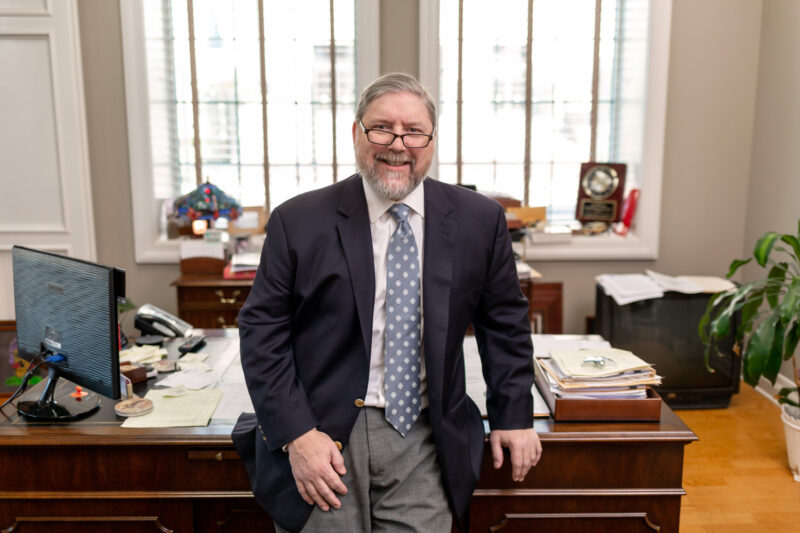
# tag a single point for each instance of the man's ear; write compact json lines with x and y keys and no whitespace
{"x":355,"y":123}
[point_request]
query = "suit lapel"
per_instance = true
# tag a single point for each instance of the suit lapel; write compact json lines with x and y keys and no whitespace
{"x":356,"y":239}
{"x":440,"y":233}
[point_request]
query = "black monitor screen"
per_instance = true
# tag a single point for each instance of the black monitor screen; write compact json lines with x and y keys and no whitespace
{"x":68,"y":306}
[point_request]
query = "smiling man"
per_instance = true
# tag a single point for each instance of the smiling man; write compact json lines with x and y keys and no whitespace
{"x":351,"y":339}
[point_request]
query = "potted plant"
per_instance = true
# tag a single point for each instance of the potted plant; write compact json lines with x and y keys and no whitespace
{"x":765,"y":317}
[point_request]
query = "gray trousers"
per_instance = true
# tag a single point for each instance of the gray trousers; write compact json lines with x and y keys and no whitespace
{"x":393,"y":483}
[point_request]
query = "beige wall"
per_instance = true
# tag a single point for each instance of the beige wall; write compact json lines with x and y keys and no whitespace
{"x":774,"y":188}
{"x":101,"y":51}
{"x":711,"y":104}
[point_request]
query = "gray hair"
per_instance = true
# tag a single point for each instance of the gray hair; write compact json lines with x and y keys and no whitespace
{"x":395,"y":82}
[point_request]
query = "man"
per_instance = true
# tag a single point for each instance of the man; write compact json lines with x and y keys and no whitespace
{"x":351,"y":339}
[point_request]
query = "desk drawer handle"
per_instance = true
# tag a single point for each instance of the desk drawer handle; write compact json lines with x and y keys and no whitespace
{"x":212,"y":455}
{"x":223,"y":325}
{"x":231,"y":300}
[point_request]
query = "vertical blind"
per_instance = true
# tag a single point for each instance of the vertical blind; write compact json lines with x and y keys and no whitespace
{"x":530,"y":89}
{"x":246,"y":94}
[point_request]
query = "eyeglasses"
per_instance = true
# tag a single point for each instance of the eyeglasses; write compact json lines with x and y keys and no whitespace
{"x":385,"y":138}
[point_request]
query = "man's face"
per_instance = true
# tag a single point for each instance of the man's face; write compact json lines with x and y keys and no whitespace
{"x":394,"y":171}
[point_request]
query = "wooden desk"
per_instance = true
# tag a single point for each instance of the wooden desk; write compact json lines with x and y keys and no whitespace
{"x":94,"y":475}
{"x":210,"y":301}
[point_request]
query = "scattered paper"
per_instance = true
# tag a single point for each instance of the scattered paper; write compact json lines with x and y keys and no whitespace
{"x":192,"y":409}
{"x":192,"y":365}
{"x":629,"y":288}
{"x":193,"y":357}
{"x":191,"y":379}
{"x":142,"y":354}
{"x":675,"y":283}
{"x":711,"y":284}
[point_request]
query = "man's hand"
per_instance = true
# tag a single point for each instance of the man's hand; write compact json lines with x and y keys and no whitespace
{"x":317,"y":466}
{"x":524,"y":446}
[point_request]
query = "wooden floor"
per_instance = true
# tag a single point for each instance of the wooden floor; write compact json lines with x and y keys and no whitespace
{"x":737,"y":476}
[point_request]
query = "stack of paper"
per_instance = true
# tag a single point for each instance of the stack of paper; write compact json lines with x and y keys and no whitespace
{"x":604,"y":373}
{"x":628,"y":288}
{"x":243,"y":262}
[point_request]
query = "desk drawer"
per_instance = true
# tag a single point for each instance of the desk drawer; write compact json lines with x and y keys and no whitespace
{"x":218,"y":297}
{"x":210,"y":318}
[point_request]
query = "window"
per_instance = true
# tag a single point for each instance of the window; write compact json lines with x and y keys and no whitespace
{"x":242,"y":93}
{"x":528,"y":92}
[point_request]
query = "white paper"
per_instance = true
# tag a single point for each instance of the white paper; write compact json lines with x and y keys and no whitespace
{"x":543,"y":344}
{"x":675,"y":283}
{"x":191,"y":379}
{"x":711,"y":284}
{"x":235,"y":401}
{"x":629,"y":288}
{"x":476,"y":386}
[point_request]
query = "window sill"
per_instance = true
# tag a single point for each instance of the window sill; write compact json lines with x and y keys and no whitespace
{"x":594,"y":248}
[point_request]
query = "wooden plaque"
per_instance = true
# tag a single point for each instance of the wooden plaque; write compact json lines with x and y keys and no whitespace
{"x":600,"y":190}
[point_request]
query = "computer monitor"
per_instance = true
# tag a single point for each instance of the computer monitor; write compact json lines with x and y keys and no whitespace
{"x":66,"y":307}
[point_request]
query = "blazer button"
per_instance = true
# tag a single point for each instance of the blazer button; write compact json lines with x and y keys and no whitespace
{"x":338,"y":444}
{"x":359,"y":402}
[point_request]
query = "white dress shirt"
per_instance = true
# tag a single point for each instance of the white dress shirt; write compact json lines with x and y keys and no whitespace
{"x":382,"y":225}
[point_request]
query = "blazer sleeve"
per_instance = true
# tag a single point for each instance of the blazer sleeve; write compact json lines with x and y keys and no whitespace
{"x":502,"y":330}
{"x":265,"y":326}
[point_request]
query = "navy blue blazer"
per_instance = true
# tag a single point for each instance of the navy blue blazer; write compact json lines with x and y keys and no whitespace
{"x":306,"y":327}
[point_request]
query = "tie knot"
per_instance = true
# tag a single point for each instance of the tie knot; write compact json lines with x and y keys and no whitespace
{"x":400,"y":212}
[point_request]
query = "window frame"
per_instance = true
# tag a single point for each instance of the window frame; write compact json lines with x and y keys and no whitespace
{"x":642,"y":241}
{"x":148,"y":244}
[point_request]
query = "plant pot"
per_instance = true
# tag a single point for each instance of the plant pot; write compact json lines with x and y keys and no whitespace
{"x":791,"y":426}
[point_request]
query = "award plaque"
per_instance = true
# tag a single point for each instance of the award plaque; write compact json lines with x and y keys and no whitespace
{"x":600,"y":192}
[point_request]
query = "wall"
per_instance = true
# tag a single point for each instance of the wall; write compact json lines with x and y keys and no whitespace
{"x":710,"y":114}
{"x":101,"y":44}
{"x":774,"y":185}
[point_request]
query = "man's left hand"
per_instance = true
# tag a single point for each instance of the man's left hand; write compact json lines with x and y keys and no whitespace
{"x":523,"y":445}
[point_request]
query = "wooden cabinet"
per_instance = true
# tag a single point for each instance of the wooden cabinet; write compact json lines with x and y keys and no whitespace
{"x":210,"y":301}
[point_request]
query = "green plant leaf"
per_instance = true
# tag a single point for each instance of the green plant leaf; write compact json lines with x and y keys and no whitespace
{"x":775,"y":357}
{"x":792,"y":336}
{"x":702,"y":328}
{"x":735,"y":264}
{"x":721,"y":326}
{"x":749,"y":310}
{"x":791,"y":301}
{"x":794,"y":242}
{"x":764,"y":247}
{"x":756,"y":353}
{"x":775,"y":282}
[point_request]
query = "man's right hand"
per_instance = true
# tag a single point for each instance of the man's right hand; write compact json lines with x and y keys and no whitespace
{"x":317,"y":466}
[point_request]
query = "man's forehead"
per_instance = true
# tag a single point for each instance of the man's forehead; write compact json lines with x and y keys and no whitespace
{"x":404,"y":105}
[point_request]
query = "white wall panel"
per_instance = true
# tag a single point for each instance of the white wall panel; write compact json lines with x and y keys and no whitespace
{"x":30,"y":136}
{"x":44,"y":169}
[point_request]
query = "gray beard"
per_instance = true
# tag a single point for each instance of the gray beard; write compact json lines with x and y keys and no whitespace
{"x":392,"y":189}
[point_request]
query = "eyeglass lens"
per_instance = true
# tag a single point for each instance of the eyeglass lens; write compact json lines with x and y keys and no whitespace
{"x":411,"y":140}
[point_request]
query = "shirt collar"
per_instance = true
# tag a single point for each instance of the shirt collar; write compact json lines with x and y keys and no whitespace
{"x":378,"y":205}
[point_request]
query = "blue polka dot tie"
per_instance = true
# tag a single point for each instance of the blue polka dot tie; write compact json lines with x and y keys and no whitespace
{"x":401,"y":385}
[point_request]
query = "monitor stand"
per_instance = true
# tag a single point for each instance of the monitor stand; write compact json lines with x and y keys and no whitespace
{"x":58,"y":404}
